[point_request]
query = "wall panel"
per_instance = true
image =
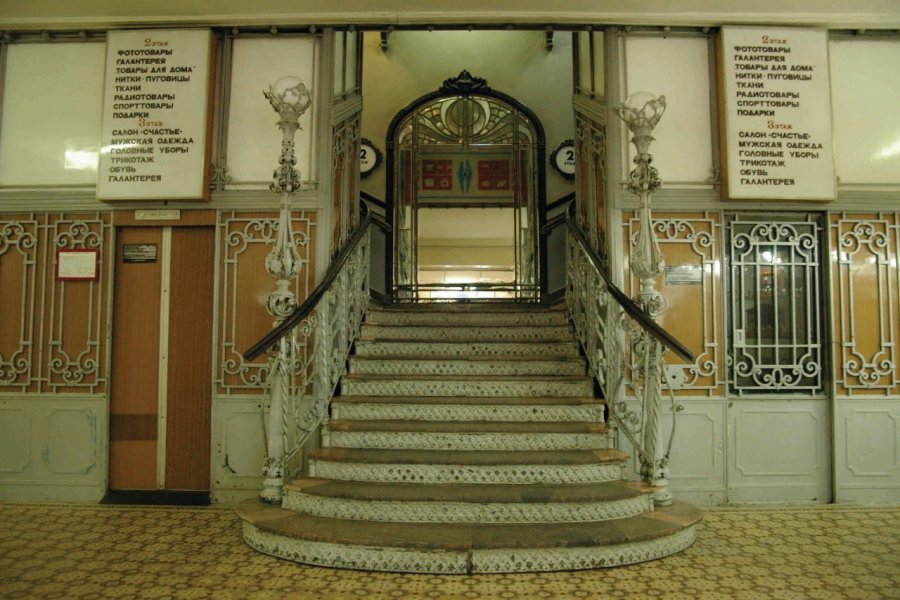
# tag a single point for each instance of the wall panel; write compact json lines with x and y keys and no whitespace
{"x":50,"y":126}
{"x":53,"y":448}
{"x":245,"y":239}
{"x":864,"y":104}
{"x":253,"y":138}
{"x":677,"y":68}
{"x":779,"y":451}
{"x":692,"y":246}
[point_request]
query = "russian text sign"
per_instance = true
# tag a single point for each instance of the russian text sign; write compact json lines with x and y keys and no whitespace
{"x":155,"y":125}
{"x":776,"y":102}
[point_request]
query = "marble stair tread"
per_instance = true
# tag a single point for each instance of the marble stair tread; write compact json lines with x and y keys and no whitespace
{"x":474,"y":378}
{"x":472,"y":400}
{"x":465,"y":349}
{"x":661,"y":522}
{"x":470,"y":457}
{"x":475,"y":317}
{"x":468,"y":493}
{"x":463,"y":427}
{"x":466,"y":307}
{"x":537,"y":358}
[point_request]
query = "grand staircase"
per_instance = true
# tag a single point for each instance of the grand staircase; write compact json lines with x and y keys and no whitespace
{"x":467,"y":439}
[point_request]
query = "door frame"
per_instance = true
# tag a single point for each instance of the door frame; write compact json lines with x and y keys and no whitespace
{"x":466,"y":85}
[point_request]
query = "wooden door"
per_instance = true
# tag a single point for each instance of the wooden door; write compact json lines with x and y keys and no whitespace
{"x":160,"y":399}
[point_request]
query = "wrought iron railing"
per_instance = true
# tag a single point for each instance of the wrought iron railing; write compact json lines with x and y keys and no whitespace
{"x":624,"y":347}
{"x":308,"y":352}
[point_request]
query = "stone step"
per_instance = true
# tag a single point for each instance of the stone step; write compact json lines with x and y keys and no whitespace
{"x":412,"y":385}
{"x":462,"y":503}
{"x":485,"y":366}
{"x":464,"y":333}
{"x":474,"y":316}
{"x":468,"y":467}
{"x":440,"y":408}
{"x":464,"y":547}
{"x":467,"y":349}
{"x":450,"y":435}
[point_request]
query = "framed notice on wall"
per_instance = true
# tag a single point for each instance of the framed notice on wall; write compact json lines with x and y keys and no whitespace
{"x":776,"y":107}
{"x":154,"y":144}
{"x":77,"y":264}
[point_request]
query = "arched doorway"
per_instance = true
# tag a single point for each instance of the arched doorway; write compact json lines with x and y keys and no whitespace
{"x":466,"y":196}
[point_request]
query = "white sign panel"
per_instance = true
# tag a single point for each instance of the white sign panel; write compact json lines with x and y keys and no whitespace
{"x":155,"y":115}
{"x":777,"y":107}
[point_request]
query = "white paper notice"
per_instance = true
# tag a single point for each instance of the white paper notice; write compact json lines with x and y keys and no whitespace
{"x":155,"y":115}
{"x":777,"y":103}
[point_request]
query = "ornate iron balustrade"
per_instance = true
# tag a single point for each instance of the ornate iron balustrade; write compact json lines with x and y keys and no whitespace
{"x":624,"y":347}
{"x":308,"y":352}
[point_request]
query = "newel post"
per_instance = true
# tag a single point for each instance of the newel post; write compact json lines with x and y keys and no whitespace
{"x":641,"y":112}
{"x":290,"y":98}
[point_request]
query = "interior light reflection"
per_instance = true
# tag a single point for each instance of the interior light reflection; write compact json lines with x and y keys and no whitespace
{"x":80,"y":160}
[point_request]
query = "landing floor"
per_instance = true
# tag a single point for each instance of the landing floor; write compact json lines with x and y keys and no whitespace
{"x":80,"y":552}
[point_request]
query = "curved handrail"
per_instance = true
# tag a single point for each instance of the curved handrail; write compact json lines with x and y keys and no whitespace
{"x":333,"y":271}
{"x":627,"y":304}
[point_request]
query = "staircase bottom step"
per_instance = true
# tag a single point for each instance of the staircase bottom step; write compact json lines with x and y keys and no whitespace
{"x":466,"y":548}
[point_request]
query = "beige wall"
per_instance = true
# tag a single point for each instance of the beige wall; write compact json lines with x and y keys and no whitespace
{"x":513,"y":62}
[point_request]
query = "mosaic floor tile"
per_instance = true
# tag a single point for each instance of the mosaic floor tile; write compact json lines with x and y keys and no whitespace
{"x":79,"y":552}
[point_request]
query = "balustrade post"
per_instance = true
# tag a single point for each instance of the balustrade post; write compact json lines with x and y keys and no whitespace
{"x":641,"y":112}
{"x":290,"y":98}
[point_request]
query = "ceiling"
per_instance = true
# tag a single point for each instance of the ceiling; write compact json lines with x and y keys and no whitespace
{"x":75,"y":14}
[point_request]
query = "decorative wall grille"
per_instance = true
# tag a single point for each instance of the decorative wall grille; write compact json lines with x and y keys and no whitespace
{"x":52,"y":332}
{"x":775,"y":302}
{"x":865,"y":297}
{"x":245,"y":240}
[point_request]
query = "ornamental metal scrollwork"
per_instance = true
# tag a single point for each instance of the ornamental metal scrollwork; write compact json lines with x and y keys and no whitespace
{"x":20,"y":237}
{"x":241,"y":234}
{"x":464,"y":83}
{"x":863,"y":258}
{"x":775,"y":341}
{"x":68,"y":369}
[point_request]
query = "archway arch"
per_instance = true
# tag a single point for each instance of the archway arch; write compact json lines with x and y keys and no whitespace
{"x":469,"y":159}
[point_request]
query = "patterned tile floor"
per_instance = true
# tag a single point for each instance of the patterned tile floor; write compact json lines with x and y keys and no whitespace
{"x":77,"y":551}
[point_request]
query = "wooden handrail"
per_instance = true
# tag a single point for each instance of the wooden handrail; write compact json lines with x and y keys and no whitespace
{"x":333,"y":270}
{"x":627,"y":304}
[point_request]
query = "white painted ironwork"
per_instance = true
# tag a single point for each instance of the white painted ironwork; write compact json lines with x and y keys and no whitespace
{"x":701,"y":234}
{"x":243,"y":237}
{"x":290,"y":99}
{"x":305,"y":364}
{"x":864,"y":253}
{"x":603,"y":328}
{"x":775,"y":336}
{"x":18,"y":242}
{"x":41,"y":351}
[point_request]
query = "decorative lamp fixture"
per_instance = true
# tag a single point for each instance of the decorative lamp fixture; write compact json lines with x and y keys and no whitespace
{"x":290,"y":98}
{"x":641,"y":112}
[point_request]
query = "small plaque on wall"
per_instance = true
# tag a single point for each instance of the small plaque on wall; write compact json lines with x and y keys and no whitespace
{"x":139,"y":253}
{"x":369,"y":158}
{"x":77,"y":265}
{"x":563,"y":159}
{"x":154,"y":142}
{"x":684,"y":275}
{"x":776,"y":106}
